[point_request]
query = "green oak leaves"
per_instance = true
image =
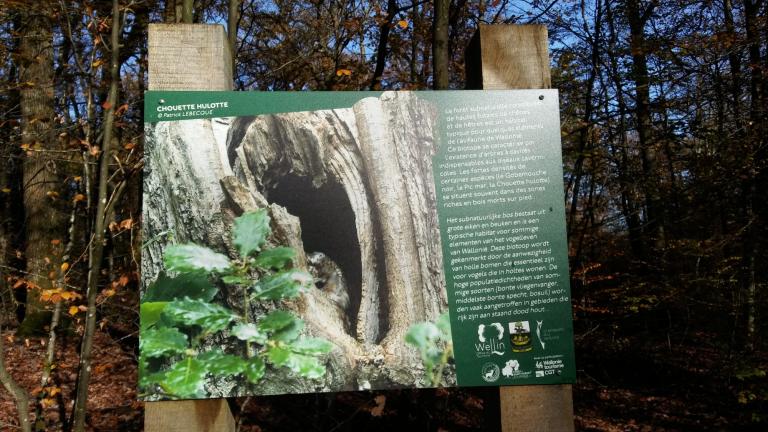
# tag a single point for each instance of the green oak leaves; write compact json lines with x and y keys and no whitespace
{"x":178,"y":313}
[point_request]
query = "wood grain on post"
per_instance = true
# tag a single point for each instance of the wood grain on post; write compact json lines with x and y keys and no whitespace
{"x":210,"y":415}
{"x":503,"y":57}
{"x":517,"y":57}
{"x":189,"y":57}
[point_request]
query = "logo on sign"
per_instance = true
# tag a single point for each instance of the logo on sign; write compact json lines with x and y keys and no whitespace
{"x":490,"y":340}
{"x":538,"y":333}
{"x":549,"y":365}
{"x":490,"y":372}
{"x":511,"y":368}
{"x":520,"y":336}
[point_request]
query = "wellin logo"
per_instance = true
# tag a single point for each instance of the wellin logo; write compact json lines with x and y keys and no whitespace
{"x":490,"y":340}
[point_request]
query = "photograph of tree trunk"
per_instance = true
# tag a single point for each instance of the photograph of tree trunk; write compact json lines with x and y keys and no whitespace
{"x":292,"y":253}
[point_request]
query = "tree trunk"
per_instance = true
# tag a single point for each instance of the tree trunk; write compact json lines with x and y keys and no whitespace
{"x":353,"y":184}
{"x":11,"y":208}
{"x":96,"y":246}
{"x":584,"y":132}
{"x":734,"y":62}
{"x":414,"y":78}
{"x":233,"y":18}
{"x":382,"y":47}
{"x":440,"y":54}
{"x":627,"y":190}
{"x":654,"y":220}
{"x":187,"y":11}
{"x":753,"y":195}
{"x":41,"y":182}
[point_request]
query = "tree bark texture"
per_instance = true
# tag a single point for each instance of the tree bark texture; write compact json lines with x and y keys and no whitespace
{"x":96,"y":247}
{"x":233,"y":18}
{"x":351,"y":185}
{"x":440,"y":54}
{"x":186,"y":11}
{"x":42,"y":220}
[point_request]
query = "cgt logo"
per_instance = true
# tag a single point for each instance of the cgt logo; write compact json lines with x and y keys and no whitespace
{"x":490,"y":340}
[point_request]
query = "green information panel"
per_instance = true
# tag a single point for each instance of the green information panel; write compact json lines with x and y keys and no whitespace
{"x":502,"y":223}
{"x":311,"y":242}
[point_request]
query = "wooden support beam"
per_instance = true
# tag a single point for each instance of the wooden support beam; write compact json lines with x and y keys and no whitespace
{"x":517,"y":57}
{"x":209,"y":415}
{"x":536,"y":408}
{"x":189,"y":57}
{"x":503,"y":57}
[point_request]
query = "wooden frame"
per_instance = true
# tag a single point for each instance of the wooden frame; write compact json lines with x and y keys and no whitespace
{"x":197,"y":57}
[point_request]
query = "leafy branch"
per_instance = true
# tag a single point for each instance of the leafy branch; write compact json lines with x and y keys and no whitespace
{"x":178,"y":313}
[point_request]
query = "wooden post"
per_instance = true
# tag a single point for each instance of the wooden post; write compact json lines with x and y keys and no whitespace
{"x":207,"y":415}
{"x":517,"y":57}
{"x":189,"y":57}
{"x":503,"y":57}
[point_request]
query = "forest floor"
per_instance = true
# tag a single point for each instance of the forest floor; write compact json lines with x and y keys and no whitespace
{"x":112,"y":401}
{"x":624,"y":384}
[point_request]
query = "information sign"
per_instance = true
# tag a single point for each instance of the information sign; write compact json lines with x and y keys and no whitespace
{"x":309,"y":241}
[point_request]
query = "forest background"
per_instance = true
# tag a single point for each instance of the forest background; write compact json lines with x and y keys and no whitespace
{"x":663,"y":111}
